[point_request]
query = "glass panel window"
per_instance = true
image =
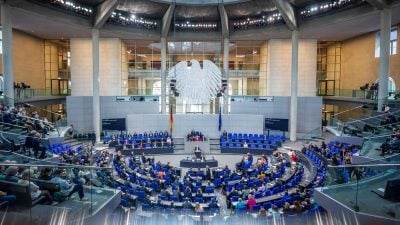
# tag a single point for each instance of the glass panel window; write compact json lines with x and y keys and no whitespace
{"x":393,"y":42}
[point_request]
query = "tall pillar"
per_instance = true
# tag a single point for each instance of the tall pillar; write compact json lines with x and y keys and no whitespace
{"x":163,"y":74}
{"x":8,"y":71}
{"x":226,"y":74}
{"x":96,"y":83}
{"x":384,"y":57}
{"x":294,"y":79}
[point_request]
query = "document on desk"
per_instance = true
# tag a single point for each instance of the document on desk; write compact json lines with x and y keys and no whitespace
{"x":381,"y":190}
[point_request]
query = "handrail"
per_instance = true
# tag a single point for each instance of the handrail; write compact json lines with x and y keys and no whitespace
{"x":370,"y":117}
{"x":35,"y":119}
{"x":380,"y":136}
{"x":32,"y":118}
{"x":10,"y":124}
{"x":388,"y":124}
{"x":360,"y":106}
{"x":30,"y":105}
{"x":58,"y":165}
{"x":364,"y":165}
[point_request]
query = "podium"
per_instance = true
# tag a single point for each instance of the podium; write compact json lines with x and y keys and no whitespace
{"x":190,"y":145}
{"x":197,"y":154}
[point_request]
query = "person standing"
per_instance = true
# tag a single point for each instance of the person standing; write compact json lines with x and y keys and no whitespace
{"x":93,"y":137}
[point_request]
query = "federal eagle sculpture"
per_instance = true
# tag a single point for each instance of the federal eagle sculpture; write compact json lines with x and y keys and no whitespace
{"x":196,"y":84}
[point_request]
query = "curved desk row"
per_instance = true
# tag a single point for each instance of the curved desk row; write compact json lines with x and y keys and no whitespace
{"x":148,"y":151}
{"x":253,"y":151}
{"x":198,"y":164}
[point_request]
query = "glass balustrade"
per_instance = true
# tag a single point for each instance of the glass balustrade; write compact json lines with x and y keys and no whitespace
{"x":370,"y":188}
{"x":37,"y":191}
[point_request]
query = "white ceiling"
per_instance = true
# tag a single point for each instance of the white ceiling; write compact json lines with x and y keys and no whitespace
{"x":51,"y":24}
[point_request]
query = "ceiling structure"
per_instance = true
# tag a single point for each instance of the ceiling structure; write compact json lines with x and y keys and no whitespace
{"x":30,"y":15}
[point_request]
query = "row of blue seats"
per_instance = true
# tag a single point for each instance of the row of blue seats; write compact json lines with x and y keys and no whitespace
{"x":177,"y":199}
{"x":251,"y":141}
{"x":139,"y":136}
{"x":255,"y":136}
{"x":255,"y":146}
{"x":317,"y":161}
{"x":61,"y":148}
{"x":319,"y":164}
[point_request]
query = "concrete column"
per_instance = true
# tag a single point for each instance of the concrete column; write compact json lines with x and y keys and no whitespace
{"x":96,"y":83}
{"x":8,"y":71}
{"x":262,"y":86}
{"x":226,"y":74}
{"x":386,"y":16}
{"x":294,"y":79}
{"x":163,"y":74}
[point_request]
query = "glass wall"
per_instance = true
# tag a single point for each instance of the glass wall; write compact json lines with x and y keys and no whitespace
{"x":57,"y":61}
{"x":328,"y":67}
{"x":144,"y":67}
{"x":247,"y":67}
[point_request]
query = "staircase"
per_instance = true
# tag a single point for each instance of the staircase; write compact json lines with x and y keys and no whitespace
{"x":179,"y":144}
{"x":215,"y":146}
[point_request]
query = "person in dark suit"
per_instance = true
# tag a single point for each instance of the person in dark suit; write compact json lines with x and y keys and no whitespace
{"x":93,"y":138}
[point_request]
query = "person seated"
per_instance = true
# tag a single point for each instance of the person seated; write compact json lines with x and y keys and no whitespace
{"x":297,"y":207}
{"x":198,"y":208}
{"x":245,"y":145}
{"x":251,"y":202}
{"x":262,"y":213}
{"x":287,"y":207}
{"x":164,"y":192}
{"x":275,"y":212}
{"x":169,"y":141}
{"x":186,"y":204}
{"x":176,"y":192}
{"x":225,"y":134}
{"x":213,"y":204}
{"x":249,"y":157}
{"x":187,"y":193}
{"x":11,"y":174}
{"x":45,"y":174}
{"x":240,"y":204}
{"x":155,"y":144}
{"x":8,"y":199}
{"x":34,"y":189}
{"x":66,"y":188}
{"x":199,"y":193}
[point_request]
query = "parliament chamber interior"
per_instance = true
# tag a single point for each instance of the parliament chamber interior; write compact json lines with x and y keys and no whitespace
{"x":142,"y":112}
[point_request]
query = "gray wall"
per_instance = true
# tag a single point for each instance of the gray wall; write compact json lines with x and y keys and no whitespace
{"x":207,"y":124}
{"x":308,"y":112}
{"x":80,"y":110}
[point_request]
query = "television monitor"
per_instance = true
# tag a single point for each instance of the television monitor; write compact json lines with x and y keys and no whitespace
{"x":392,"y":190}
{"x":114,"y":124}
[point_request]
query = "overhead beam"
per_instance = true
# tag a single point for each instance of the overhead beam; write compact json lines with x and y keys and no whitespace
{"x":379,"y":4}
{"x":166,"y":20}
{"x":103,"y":12}
{"x":224,"y":21}
{"x":288,"y":13}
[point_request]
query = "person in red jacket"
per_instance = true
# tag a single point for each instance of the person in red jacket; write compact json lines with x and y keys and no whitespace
{"x":251,"y":202}
{"x":294,"y":157}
